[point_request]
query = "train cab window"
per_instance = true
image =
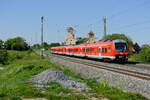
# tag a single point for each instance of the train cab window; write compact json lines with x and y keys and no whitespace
{"x":102,"y":50}
{"x":109,"y":46}
{"x":105,"y":50}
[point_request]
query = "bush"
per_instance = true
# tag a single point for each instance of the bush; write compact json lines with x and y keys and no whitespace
{"x":30,"y":51}
{"x":3,"y":56}
{"x":81,"y":40}
{"x":36,"y":46}
{"x":14,"y":55}
{"x":17,"y":43}
{"x":143,"y":56}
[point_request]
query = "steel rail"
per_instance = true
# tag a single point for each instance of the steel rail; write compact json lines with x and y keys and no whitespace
{"x":139,"y":67}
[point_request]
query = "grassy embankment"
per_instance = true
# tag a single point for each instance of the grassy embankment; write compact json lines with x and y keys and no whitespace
{"x":14,"y":81}
{"x":142,"y":56}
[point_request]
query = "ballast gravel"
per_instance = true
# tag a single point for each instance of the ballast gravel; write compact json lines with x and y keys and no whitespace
{"x":125,"y":82}
{"x":55,"y":75}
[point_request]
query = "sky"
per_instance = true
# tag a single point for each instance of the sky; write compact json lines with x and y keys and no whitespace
{"x":23,"y":18}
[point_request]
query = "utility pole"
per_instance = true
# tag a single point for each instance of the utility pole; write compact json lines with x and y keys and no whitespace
{"x":104,"y":29}
{"x":42,"y":49}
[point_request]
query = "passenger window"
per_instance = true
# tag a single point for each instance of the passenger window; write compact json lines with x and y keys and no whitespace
{"x":88,"y":50}
{"x":83,"y":50}
{"x":102,"y":50}
{"x":105,"y":50}
{"x":91,"y":50}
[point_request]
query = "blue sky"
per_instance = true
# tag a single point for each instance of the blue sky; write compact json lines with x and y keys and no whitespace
{"x":22,"y":18}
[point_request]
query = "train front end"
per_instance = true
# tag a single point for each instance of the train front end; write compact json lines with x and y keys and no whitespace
{"x":121,"y":50}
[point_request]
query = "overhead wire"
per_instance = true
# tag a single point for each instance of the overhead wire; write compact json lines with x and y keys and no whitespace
{"x":122,"y":12}
{"x":128,"y":9}
{"x":135,"y":24}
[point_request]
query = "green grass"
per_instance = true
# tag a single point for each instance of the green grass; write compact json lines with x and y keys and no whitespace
{"x":56,"y":88}
{"x":112,"y":93}
{"x":14,"y":78}
{"x":14,"y":81}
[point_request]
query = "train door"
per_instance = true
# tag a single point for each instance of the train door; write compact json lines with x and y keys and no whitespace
{"x":99,"y":50}
{"x":81,"y":51}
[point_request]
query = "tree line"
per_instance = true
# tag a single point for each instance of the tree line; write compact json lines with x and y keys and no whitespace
{"x":46,"y":46}
{"x":20,"y":44}
{"x":17,"y":43}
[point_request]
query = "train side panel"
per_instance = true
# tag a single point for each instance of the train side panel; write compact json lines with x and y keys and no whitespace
{"x":102,"y":50}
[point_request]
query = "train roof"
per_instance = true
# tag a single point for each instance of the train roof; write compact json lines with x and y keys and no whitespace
{"x":91,"y":44}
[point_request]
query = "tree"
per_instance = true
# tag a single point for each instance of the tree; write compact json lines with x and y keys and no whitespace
{"x":54,"y":44}
{"x":45,"y":45}
{"x":17,"y":43}
{"x":144,"y":54}
{"x":145,"y":46}
{"x":81,"y":40}
{"x":36,"y":46}
{"x":63,"y":43}
{"x":1,"y":44}
{"x":117,"y":36}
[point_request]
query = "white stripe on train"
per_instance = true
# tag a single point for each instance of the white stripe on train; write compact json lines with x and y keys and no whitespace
{"x":89,"y":56}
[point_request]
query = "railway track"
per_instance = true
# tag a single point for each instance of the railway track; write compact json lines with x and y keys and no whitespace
{"x":139,"y":67}
{"x":135,"y":74}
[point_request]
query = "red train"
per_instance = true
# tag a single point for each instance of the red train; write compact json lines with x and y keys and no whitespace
{"x":109,"y":50}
